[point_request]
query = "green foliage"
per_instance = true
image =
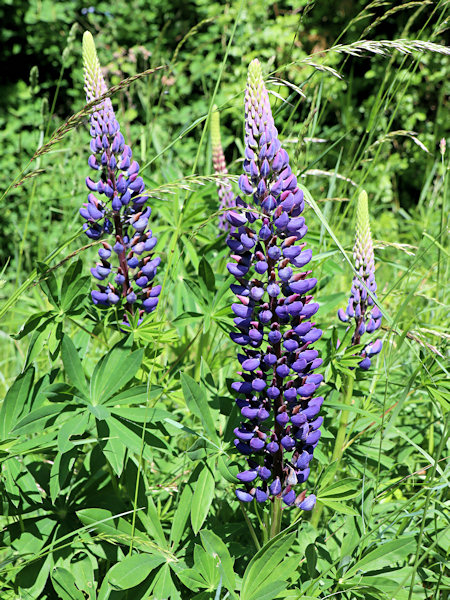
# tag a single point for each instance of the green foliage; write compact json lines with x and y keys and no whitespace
{"x":117,"y":462}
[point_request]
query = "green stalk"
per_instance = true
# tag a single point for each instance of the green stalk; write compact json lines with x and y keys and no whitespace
{"x":347,"y":395}
{"x":275,"y":524}
{"x":250,"y":527}
{"x":340,"y":437}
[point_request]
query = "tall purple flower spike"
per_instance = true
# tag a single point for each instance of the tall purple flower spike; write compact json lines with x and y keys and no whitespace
{"x":116,"y":207}
{"x":226,"y":196}
{"x":277,"y":389}
{"x":361,"y":307}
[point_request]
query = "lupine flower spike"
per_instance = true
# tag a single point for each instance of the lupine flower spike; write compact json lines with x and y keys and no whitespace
{"x":116,"y":207}
{"x":226,"y":196}
{"x":276,"y":392}
{"x":361,"y":307}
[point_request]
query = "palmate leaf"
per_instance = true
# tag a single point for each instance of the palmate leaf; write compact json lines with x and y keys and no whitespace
{"x":341,"y":490}
{"x":215,"y":546}
{"x":15,"y":401}
{"x":203,"y":497}
{"x":181,"y":516}
{"x":118,"y":529}
{"x":73,"y":366}
{"x":196,"y":400}
{"x":39,"y":419}
{"x":114,"y":371}
{"x":136,"y":394}
{"x":132,"y":570}
{"x":262,"y":575}
{"x":384,"y":555}
{"x":65,"y":585}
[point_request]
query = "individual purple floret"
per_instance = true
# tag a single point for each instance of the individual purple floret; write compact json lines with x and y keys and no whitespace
{"x":277,"y":389}
{"x":117,"y":207}
{"x":361,"y":307}
{"x":224,"y":190}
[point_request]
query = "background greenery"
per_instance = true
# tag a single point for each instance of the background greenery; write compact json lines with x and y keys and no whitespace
{"x":127,"y":493}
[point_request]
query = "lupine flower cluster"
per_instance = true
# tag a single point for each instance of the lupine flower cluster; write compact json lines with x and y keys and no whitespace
{"x":224,"y":190}
{"x":361,"y":307}
{"x":277,"y":389}
{"x":116,"y":207}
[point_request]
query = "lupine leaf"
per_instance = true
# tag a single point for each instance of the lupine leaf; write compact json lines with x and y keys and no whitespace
{"x":73,"y":366}
{"x":113,"y":371}
{"x":181,"y":515}
{"x":65,"y":585}
{"x":203,"y":496}
{"x":384,"y":555}
{"x":257,"y":574}
{"x":214,"y":545}
{"x":14,"y":401}
{"x":132,"y":570}
{"x":195,"y":397}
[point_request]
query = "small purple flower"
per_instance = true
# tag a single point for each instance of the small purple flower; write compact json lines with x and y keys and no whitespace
{"x":361,"y":309}
{"x":116,"y":206}
{"x":273,"y":311}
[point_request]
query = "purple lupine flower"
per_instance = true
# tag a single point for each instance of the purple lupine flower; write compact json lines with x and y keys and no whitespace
{"x":361,"y":308}
{"x":224,"y":190}
{"x":116,"y":207}
{"x":277,"y":389}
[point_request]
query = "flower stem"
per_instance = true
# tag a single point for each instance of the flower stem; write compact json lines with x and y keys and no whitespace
{"x":340,"y":437}
{"x":338,"y":450}
{"x":250,"y":527}
{"x":275,"y":525}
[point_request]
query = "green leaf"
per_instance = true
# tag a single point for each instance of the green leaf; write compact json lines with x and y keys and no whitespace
{"x":131,"y":436}
{"x":181,"y":516}
{"x":132,"y":570}
{"x":48,"y":283}
{"x":112,"y":447}
{"x":269,"y":591}
{"x":33,"y":577}
{"x":215,"y":546}
{"x":339,"y":507}
{"x":203,"y":496}
{"x":117,"y":528}
{"x":257,"y":576}
{"x":340,"y":490}
{"x":228,"y":468}
{"x":100,"y":412}
{"x":75,"y":287}
{"x":114,"y":371}
{"x":152,"y":523}
{"x":37,"y":419}
{"x":137,"y":394}
{"x":197,"y":403}
{"x":14,"y":401}
{"x":61,"y":471}
{"x":76,"y":425}
{"x":206,"y":275}
{"x":73,"y":366}
{"x":384,"y":555}
{"x":191,"y":579}
{"x":187,"y":318}
{"x":164,"y":585}
{"x":37,"y":341}
{"x":141,"y":415}
{"x":36,"y":321}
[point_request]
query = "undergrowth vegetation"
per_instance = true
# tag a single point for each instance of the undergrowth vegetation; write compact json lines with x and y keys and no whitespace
{"x":118,"y":467}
